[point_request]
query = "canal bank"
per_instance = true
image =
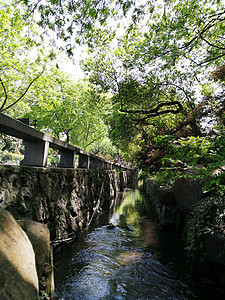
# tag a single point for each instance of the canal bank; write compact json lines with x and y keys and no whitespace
{"x":198,"y":220}
{"x":64,"y":199}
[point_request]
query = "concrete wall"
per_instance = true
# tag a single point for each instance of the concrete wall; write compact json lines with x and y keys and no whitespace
{"x":64,"y":199}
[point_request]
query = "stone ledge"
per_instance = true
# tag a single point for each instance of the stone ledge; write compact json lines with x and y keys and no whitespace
{"x":166,"y":195}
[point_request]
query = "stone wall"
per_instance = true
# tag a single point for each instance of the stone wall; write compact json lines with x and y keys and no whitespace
{"x":172,"y":206}
{"x":64,"y":199}
{"x":163,"y":201}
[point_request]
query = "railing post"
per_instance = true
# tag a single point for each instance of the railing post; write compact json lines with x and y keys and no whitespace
{"x":36,"y":153}
{"x":67,"y":159}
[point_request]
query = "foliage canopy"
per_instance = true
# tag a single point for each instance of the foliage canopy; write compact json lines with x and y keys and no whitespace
{"x":156,"y":58}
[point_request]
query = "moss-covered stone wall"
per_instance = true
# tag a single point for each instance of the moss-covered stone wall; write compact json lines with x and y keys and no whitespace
{"x":64,"y":199}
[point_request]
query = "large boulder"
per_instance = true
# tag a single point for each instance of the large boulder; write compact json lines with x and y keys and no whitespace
{"x":188,"y":192}
{"x":18,"y":276}
{"x":39,"y":236}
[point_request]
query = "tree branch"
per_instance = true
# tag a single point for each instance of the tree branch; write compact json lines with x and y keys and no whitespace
{"x":185,"y":46}
{"x":155,"y":111}
{"x":211,"y":59}
{"x":91,"y":142}
{"x":218,"y":14}
{"x":24,"y":93}
{"x":177,"y":86}
{"x":35,"y":6}
{"x":156,"y":114}
{"x":210,"y":44}
{"x":6,"y":95}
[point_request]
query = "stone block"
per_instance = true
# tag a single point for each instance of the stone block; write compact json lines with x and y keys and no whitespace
{"x":84,"y":161}
{"x":36,"y":153}
{"x":67,"y":159}
{"x":166,"y":195}
{"x":188,"y":192}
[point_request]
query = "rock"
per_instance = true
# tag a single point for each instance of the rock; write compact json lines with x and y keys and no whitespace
{"x":166,"y":195}
{"x":129,"y":228}
{"x":110,"y":226}
{"x":59,"y":197}
{"x":188,"y":192}
{"x":18,"y":276}
{"x":39,"y":236}
{"x":129,"y":257}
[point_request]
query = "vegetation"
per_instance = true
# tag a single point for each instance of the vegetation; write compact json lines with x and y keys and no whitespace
{"x":209,"y":217}
{"x":10,"y":158}
{"x":154,"y":87}
{"x":147,"y":66}
{"x":22,"y":59}
{"x":33,"y":86}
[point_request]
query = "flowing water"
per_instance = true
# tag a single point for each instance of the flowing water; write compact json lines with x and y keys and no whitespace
{"x":133,"y":260}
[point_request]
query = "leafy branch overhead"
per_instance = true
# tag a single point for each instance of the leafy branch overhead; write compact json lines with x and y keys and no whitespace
{"x":5,"y":106}
{"x":155,"y":68}
{"x":147,"y":100}
{"x":162,"y":63}
{"x":158,"y":110}
{"x":20,"y":69}
{"x":75,"y":21}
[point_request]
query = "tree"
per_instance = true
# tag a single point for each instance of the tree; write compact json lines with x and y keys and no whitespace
{"x":177,"y":43}
{"x":32,"y":86}
{"x":171,"y":40}
{"x":69,"y":110}
{"x":163,"y":53}
{"x":162,"y":63}
{"x":22,"y":59}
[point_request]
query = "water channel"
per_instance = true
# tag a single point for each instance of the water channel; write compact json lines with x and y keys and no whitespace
{"x":134,"y":260}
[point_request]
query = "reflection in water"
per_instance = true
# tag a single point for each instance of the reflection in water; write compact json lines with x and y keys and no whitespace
{"x":130,"y":213}
{"x":126,"y":262}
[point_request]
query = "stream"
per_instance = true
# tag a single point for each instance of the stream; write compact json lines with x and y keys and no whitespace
{"x":133,"y":260}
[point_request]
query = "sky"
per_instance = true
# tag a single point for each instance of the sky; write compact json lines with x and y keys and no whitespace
{"x":70,"y":66}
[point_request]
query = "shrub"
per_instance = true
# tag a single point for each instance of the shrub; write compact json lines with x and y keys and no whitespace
{"x":209,"y":215}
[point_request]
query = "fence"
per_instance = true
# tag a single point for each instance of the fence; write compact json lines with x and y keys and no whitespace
{"x":37,"y":145}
